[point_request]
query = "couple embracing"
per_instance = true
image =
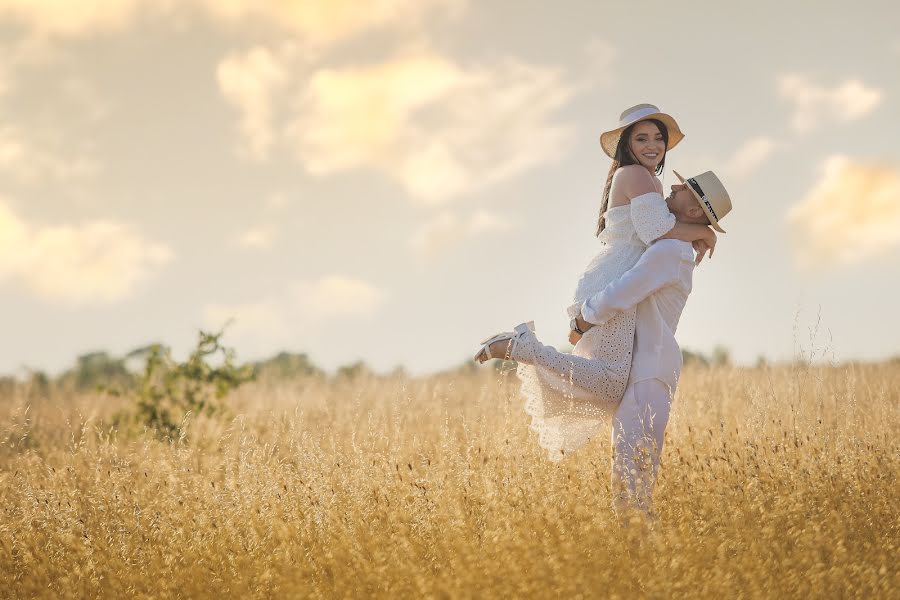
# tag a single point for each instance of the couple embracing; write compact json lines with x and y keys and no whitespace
{"x":625,"y":363}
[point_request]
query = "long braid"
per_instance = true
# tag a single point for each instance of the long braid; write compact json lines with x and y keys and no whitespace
{"x":601,"y":220}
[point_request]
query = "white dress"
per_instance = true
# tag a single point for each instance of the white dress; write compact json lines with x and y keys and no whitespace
{"x":570,"y":397}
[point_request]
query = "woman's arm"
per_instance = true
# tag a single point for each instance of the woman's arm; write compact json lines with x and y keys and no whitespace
{"x":690,"y":232}
{"x":702,"y":237}
{"x":637,"y":182}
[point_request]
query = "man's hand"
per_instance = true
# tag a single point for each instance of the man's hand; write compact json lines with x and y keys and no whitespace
{"x":583,"y":325}
{"x":701,"y":248}
{"x":704,"y":245}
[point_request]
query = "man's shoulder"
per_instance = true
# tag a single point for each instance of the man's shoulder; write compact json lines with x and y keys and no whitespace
{"x":683,"y":250}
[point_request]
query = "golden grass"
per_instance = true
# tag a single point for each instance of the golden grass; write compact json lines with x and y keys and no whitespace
{"x":775,"y":483}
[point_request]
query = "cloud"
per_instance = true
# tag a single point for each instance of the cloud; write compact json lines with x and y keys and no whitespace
{"x":31,"y":161}
{"x":95,"y":263}
{"x":299,"y":307}
{"x":447,"y":230}
{"x":852,"y":215}
{"x":815,"y":105}
{"x":262,"y":318}
{"x":250,"y":81}
{"x":257,"y":238}
{"x":68,"y":18}
{"x":753,"y":153}
{"x":327,"y":22}
{"x":320,"y":22}
{"x":276,"y":201}
{"x":335,"y":296}
{"x":438,"y":128}
{"x":37,"y":142}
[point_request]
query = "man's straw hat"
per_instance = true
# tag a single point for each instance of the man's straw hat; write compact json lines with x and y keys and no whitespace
{"x":610,"y":139}
{"x":711,"y":195}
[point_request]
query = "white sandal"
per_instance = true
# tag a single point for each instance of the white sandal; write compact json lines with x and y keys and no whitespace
{"x":506,"y":335}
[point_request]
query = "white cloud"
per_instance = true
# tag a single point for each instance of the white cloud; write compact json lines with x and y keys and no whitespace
{"x":14,"y":238}
{"x":321,"y":22}
{"x":753,"y":153}
{"x":852,"y":215}
{"x":96,"y":263}
{"x":257,"y":238}
{"x":447,"y":230}
{"x":68,"y":18}
{"x":815,"y":105}
{"x":251,"y":81}
{"x":437,"y":127}
{"x":335,"y":296}
{"x":38,"y":146}
{"x":277,"y":201}
{"x":263,"y":318}
{"x":326,"y":22}
{"x":299,"y":307}
{"x":30,"y":161}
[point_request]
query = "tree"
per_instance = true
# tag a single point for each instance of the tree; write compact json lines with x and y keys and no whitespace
{"x":286,"y":365}
{"x":689,"y":357}
{"x":95,"y":370}
{"x":352,"y":371}
{"x":721,"y":357}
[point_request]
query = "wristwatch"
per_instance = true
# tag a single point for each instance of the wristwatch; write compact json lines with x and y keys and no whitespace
{"x":573,"y":325}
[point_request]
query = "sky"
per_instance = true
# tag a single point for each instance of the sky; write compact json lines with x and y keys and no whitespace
{"x":392,"y":181}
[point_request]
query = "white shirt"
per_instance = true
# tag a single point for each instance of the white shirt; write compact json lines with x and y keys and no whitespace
{"x":659,"y":284}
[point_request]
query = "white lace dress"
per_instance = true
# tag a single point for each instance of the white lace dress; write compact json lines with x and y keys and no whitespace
{"x":570,"y":397}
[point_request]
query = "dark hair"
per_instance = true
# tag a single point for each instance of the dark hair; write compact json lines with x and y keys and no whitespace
{"x":623,"y":158}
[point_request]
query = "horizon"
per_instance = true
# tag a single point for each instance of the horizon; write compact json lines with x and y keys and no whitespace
{"x":707,"y":357}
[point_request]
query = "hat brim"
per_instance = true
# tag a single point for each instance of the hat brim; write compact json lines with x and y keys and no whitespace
{"x":609,"y":140}
{"x":713,"y":222}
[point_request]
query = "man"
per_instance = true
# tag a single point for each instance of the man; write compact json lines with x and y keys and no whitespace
{"x":659,"y":284}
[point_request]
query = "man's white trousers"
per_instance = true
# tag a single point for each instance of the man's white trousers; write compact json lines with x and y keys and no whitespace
{"x":638,"y":433}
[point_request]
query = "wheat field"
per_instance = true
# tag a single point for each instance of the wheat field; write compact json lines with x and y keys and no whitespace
{"x":776,"y":482}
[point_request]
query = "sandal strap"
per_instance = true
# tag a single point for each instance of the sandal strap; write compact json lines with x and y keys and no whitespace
{"x":512,"y":336}
{"x":486,"y":345}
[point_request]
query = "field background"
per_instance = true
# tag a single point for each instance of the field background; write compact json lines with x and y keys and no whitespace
{"x":777,"y":481}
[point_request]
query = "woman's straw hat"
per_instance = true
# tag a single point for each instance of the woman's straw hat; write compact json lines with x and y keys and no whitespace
{"x":711,"y":195}
{"x":610,"y":139}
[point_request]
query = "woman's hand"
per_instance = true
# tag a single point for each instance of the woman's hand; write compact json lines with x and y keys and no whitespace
{"x":574,"y":336}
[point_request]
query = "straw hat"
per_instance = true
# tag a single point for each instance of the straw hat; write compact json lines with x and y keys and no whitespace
{"x":610,"y":139}
{"x":711,"y":195}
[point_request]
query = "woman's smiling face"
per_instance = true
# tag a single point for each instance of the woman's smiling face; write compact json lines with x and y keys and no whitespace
{"x":647,"y":144}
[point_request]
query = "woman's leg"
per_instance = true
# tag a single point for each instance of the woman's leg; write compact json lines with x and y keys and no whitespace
{"x":638,"y":433}
{"x":596,"y":376}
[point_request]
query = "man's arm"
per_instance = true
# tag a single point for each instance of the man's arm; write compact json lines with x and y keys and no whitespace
{"x":658,"y":267}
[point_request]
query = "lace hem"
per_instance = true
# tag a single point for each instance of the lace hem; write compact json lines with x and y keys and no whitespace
{"x":570,"y":401}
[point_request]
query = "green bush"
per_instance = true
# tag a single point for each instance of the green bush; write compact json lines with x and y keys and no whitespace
{"x":170,"y":391}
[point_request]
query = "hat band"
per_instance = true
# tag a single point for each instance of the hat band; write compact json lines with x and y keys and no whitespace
{"x":693,"y":183}
{"x":638,"y":115}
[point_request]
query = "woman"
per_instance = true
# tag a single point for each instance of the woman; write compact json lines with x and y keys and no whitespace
{"x":571,"y":396}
